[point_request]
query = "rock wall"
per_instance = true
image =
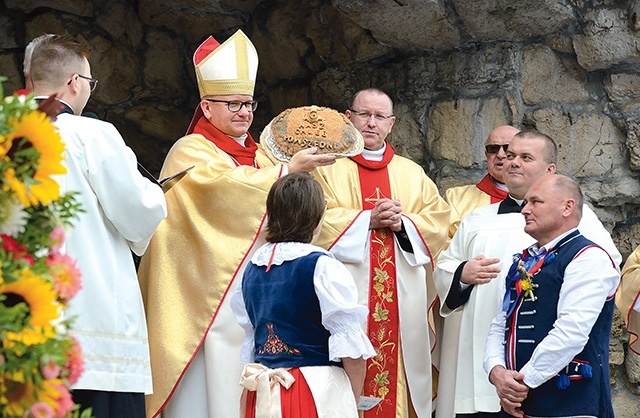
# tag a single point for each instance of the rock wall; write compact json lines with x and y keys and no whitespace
{"x":456,"y":69}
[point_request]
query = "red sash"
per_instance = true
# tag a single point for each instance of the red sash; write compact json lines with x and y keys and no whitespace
{"x":241,"y":155}
{"x":383,"y":323}
{"x":489,"y":187}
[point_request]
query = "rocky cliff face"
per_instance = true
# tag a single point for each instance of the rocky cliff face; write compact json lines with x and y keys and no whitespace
{"x":456,"y":69}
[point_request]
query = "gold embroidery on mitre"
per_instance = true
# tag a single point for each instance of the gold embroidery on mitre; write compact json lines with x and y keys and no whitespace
{"x":231,"y":68}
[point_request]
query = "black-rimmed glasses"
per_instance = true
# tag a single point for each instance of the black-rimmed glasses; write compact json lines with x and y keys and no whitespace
{"x":367,"y":115}
{"x":92,"y":81}
{"x":495,"y":148}
{"x":235,"y":105}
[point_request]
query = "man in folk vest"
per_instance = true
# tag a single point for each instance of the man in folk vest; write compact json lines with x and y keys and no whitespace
{"x":386,"y":221}
{"x":556,"y":314}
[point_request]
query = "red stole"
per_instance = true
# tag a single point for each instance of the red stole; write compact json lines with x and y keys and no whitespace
{"x":489,"y":187}
{"x":241,"y":155}
{"x":383,"y":324}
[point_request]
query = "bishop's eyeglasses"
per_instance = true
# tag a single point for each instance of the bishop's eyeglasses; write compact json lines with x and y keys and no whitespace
{"x":235,"y":105}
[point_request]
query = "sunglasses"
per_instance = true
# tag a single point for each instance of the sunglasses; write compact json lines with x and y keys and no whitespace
{"x":495,"y":148}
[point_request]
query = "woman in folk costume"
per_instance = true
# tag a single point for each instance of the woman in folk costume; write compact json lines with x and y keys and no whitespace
{"x":306,"y":337}
{"x":215,"y":215}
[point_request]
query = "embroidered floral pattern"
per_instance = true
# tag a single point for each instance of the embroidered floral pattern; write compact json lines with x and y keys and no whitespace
{"x":382,"y":369}
{"x":275,"y":345}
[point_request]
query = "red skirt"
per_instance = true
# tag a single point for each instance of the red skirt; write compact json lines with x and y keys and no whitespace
{"x":295,"y":402}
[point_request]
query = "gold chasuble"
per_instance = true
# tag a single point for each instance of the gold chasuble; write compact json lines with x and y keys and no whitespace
{"x":627,"y":298}
{"x":465,"y":199}
{"x":391,"y":281}
{"x":215,"y":214}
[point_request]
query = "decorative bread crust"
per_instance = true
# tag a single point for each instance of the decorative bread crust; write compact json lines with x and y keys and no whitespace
{"x":299,"y":128}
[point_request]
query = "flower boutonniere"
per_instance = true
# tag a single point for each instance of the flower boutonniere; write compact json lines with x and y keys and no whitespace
{"x":525,"y":283}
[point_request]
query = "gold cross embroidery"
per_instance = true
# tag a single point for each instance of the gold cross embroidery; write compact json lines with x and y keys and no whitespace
{"x":377,"y":195}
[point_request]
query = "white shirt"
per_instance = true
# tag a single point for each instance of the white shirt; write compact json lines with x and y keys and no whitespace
{"x":582,"y":297}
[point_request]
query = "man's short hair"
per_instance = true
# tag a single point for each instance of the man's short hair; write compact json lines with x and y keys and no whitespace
{"x":550,"y":152}
{"x":28,"y":52}
{"x":295,"y":206}
{"x":371,"y":90}
{"x":55,"y":58}
{"x":569,"y":189}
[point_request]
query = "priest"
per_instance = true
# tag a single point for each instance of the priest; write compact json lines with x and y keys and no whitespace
{"x":628,"y":298}
{"x":387,"y":222}
{"x":491,"y":189}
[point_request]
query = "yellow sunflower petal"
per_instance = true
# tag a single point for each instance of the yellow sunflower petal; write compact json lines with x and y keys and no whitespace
{"x":19,"y":395}
{"x":18,"y":187}
{"x":41,"y":298}
{"x":42,"y":136}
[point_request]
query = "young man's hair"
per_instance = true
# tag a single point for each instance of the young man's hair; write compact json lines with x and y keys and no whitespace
{"x":295,"y":206}
{"x":28,"y":52}
{"x":550,"y":152}
{"x":55,"y":58}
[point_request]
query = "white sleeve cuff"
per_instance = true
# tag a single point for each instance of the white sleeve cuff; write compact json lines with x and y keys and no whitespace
{"x":349,"y":341}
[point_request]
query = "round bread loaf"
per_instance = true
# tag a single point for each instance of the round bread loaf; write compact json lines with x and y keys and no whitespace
{"x":299,"y":128}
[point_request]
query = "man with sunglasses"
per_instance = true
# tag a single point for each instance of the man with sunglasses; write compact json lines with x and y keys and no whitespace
{"x":470,"y":275}
{"x":491,"y":189}
{"x":198,"y":255}
{"x":121,"y":210}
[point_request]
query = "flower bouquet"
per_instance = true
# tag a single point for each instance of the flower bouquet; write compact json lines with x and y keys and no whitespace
{"x":39,"y":360}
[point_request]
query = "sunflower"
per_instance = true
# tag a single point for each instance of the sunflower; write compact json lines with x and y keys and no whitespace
{"x":39,"y":295}
{"x":31,"y":180}
{"x":3,"y":146}
{"x":17,"y":395}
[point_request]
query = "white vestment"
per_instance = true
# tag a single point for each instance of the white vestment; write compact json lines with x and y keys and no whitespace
{"x":121,"y":210}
